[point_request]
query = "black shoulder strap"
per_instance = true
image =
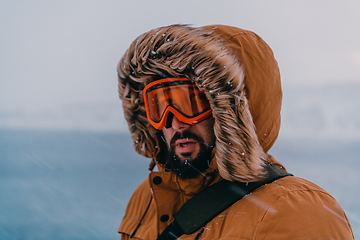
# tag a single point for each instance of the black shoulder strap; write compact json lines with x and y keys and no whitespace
{"x":198,"y":211}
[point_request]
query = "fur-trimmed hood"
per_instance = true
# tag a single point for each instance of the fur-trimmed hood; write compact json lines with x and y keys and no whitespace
{"x":237,"y":71}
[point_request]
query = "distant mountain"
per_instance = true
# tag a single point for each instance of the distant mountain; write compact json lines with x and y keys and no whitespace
{"x":331,"y":111}
{"x":98,"y":116}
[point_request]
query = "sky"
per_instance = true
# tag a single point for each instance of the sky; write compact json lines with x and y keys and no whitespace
{"x":58,"y":58}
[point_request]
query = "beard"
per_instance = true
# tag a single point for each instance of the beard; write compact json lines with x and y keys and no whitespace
{"x":187,"y":167}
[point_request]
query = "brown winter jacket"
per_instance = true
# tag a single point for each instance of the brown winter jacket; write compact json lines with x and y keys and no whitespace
{"x":237,"y":71}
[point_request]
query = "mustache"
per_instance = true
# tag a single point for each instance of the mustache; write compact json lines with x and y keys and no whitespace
{"x":185,"y":134}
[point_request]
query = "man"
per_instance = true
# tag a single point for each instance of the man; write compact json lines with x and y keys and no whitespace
{"x":204,"y":104}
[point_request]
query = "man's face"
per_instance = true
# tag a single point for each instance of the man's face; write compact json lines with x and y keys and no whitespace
{"x":189,"y":146}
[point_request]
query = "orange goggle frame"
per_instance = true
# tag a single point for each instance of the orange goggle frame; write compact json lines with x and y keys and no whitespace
{"x":179,"y":96}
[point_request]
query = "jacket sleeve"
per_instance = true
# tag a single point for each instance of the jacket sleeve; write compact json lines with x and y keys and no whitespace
{"x":304,"y":215}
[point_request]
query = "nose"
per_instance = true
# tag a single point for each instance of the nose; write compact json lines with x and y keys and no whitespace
{"x":178,"y":126}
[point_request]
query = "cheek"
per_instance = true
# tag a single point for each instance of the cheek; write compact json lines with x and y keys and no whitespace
{"x":210,"y":138}
{"x":167,"y":135}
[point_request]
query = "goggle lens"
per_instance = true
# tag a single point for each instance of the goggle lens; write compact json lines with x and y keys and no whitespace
{"x":178,"y":96}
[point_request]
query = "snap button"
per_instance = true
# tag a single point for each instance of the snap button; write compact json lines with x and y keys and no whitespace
{"x":157,"y":180}
{"x":164,"y":218}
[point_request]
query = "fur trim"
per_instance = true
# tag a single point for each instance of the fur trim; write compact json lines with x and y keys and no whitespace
{"x":203,"y":56}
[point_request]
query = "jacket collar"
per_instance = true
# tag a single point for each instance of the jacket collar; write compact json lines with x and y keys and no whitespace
{"x":190,"y":187}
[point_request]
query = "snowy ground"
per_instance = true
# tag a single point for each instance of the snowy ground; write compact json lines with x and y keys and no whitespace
{"x":75,"y":185}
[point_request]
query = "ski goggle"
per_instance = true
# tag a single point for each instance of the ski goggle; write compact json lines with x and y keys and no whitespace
{"x":179,"y":96}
